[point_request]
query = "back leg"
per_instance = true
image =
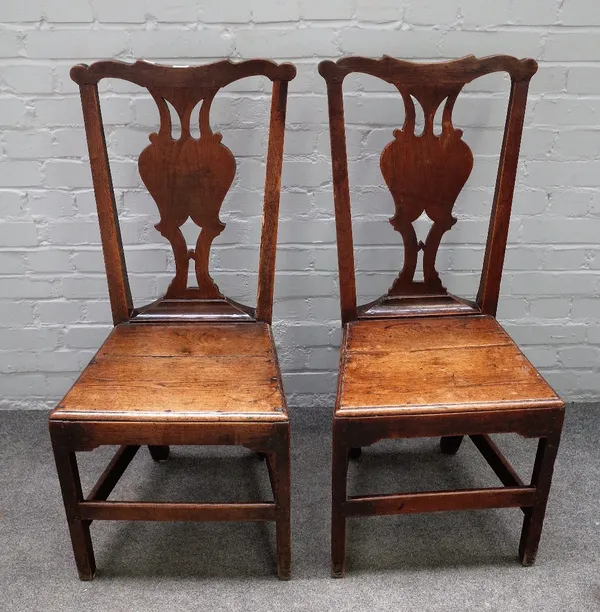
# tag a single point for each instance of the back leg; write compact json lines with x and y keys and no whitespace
{"x":449,"y":445}
{"x":355,"y":453}
{"x":159,"y":453}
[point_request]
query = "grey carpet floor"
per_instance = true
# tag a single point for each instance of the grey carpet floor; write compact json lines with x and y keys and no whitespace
{"x":453,"y":561}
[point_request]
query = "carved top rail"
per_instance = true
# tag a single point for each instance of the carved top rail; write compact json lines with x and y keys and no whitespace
{"x":148,"y":74}
{"x":455,"y":72}
{"x":425,"y":172}
{"x":187,"y":177}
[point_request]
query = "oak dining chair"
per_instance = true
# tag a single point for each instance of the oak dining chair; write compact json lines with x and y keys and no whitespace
{"x":193,"y":367}
{"x":420,"y":362}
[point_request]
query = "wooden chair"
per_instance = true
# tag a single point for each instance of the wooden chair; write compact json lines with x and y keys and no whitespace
{"x":420,"y":362}
{"x":193,"y":367}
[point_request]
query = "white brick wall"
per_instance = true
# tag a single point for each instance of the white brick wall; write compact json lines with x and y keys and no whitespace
{"x":53,"y":298}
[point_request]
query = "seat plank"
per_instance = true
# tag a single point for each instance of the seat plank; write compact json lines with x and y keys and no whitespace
{"x":434,"y":364}
{"x":181,"y":372}
{"x":187,"y":340}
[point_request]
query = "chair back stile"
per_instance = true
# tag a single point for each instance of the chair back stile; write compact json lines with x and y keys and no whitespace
{"x":188,"y":178}
{"x":425,"y":174}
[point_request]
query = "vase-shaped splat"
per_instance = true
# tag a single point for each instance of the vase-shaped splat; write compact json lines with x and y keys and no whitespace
{"x":188,"y":178}
{"x":424,"y":173}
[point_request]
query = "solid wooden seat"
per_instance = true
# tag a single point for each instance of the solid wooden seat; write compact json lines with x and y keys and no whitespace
{"x":194,"y":367}
{"x":436,"y":364}
{"x":180,"y":373}
{"x":419,"y":362}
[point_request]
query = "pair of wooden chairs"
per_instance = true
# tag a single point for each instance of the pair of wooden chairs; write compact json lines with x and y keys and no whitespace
{"x":196,"y":368}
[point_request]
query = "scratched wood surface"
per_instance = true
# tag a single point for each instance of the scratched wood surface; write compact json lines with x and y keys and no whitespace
{"x":180,"y":372}
{"x":436,"y":364}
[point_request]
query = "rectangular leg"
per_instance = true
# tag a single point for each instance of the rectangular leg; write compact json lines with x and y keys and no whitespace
{"x":281,"y":477}
{"x":68,"y":476}
{"x":541,"y":480}
{"x":339,"y":474}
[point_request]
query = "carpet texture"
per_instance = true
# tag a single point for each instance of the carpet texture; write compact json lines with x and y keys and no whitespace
{"x":453,"y":561}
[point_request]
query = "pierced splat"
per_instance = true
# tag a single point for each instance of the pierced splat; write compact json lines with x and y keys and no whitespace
{"x":425,"y":173}
{"x":188,"y":178}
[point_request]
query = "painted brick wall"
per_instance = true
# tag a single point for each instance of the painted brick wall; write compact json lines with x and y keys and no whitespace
{"x":53,"y":298}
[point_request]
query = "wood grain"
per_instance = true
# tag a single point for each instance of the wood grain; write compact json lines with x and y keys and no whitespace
{"x":436,"y":364}
{"x":419,"y":362}
{"x":187,"y":341}
{"x":110,"y":232}
{"x":436,"y":501}
{"x":188,"y":178}
{"x":179,"y":372}
{"x":149,"y":511}
{"x":193,"y":367}
{"x":426,"y":172}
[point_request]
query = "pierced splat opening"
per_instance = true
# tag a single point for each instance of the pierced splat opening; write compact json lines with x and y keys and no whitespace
{"x":175,"y":121}
{"x":422,"y":228}
{"x":419,"y":119}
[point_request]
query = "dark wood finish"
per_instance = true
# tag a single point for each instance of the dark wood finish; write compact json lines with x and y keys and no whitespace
{"x":114,"y":470}
{"x":426,"y":173}
{"x":497,"y":461}
{"x":190,"y":310}
{"x":419,"y":362}
{"x":489,"y":287}
{"x":436,"y":501}
{"x":110,"y":232}
{"x":534,"y":515}
{"x":159,"y":453}
{"x":354,"y":453}
{"x":150,"y":511}
{"x":439,"y":167}
{"x":187,"y":177}
{"x":79,"y":529}
{"x":193,"y":367}
{"x":449,"y":445}
{"x":389,"y":307}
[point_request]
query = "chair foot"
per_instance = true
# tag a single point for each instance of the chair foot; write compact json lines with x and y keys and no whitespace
{"x":159,"y":453}
{"x":338,"y":571}
{"x":449,"y":445}
{"x":530,"y":539}
{"x":526,"y":561}
{"x":86,"y":576}
{"x":534,"y":517}
{"x":355,"y":453}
